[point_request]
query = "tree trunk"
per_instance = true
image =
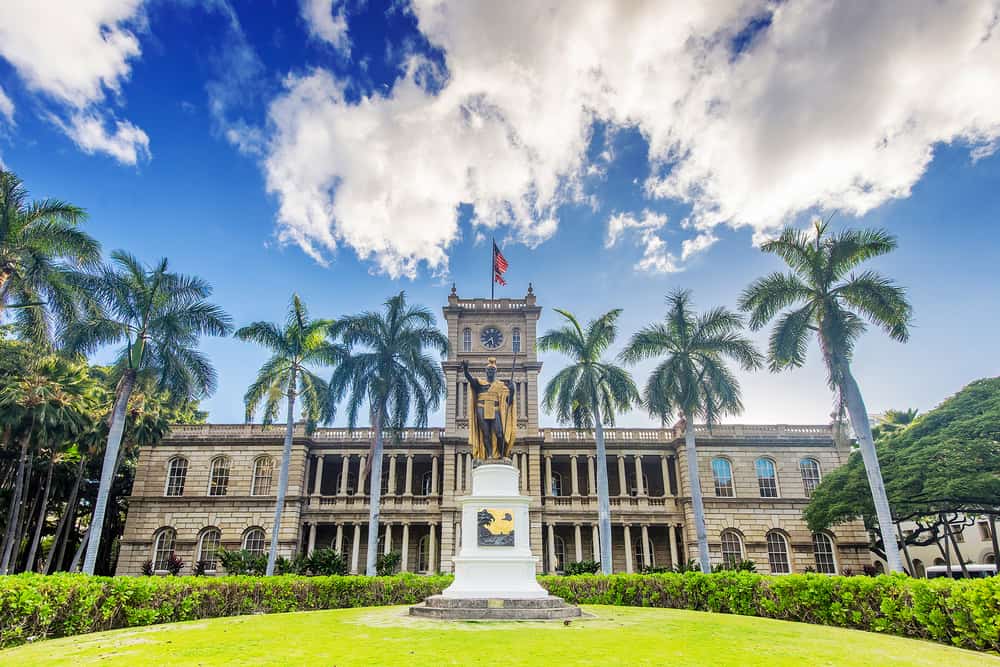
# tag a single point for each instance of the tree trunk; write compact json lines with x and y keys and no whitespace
{"x":862,"y":429}
{"x":108,"y":470}
{"x":30,"y":565}
{"x":958,"y":553}
{"x":947,"y":545}
{"x":286,"y":457}
{"x":65,"y":522}
{"x":29,"y":512}
{"x":906,"y":550}
{"x":697,"y":504}
{"x":603,"y":497}
{"x":375,"y":498}
{"x":15,"y":509}
{"x":996,"y":547}
{"x":84,"y":541}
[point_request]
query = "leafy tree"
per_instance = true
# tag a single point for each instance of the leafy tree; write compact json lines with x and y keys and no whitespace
{"x":392,"y":375}
{"x":587,"y":394}
{"x":693,"y":380}
{"x":892,"y":421}
{"x":828,"y":300}
{"x":302,"y":343}
{"x":41,"y":248}
{"x":157,"y":318}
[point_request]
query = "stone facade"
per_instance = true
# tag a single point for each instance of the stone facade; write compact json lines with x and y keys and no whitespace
{"x":426,"y":470}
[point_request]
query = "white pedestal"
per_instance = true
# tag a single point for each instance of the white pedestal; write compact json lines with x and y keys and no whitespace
{"x":495,"y":571}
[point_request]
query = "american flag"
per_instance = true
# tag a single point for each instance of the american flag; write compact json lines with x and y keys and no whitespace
{"x":499,"y":265}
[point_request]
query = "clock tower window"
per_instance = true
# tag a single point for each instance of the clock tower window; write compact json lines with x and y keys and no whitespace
{"x":467,"y":340}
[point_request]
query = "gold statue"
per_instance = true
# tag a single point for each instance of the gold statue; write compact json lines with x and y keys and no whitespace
{"x":494,"y":426}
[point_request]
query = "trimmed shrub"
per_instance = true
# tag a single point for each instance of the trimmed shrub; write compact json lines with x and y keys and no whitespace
{"x":582,"y":567}
{"x":386,"y":564}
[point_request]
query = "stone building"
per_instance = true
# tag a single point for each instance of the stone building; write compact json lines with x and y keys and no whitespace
{"x":214,"y":485}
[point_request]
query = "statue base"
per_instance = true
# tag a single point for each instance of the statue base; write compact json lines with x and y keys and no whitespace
{"x":495,"y":570}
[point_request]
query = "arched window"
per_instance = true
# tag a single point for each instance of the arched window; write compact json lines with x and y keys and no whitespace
{"x":879,"y":568}
{"x":732,"y":548}
{"x":253,"y":541}
{"x":990,"y":559}
{"x":208,"y":548}
{"x":939,"y":561}
{"x":826,"y":560}
{"x":777,"y":553}
{"x":767,"y":478}
{"x":177,"y":471}
{"x":425,"y":483}
{"x":637,"y":553}
{"x":515,"y":340}
{"x":810,"y":475}
{"x":556,"y":485}
{"x":424,"y":554}
{"x":163,"y":548}
{"x":466,"y":340}
{"x":722,"y":473}
{"x":560,"y":550}
{"x":218,"y":479}
{"x":918,"y":568}
{"x":263,"y":468}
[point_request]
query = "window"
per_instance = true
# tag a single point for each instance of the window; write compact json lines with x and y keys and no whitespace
{"x":467,"y":340}
{"x":253,"y":541}
{"x":990,"y":559}
{"x":218,"y":480}
{"x":767,"y":479}
{"x":810,"y":475}
{"x":262,"y":469}
{"x":556,"y":484}
{"x":732,"y":548}
{"x":208,"y":549}
{"x":777,"y":553}
{"x":722,"y":473}
{"x":177,"y":471}
{"x":918,"y":568}
{"x":956,"y":531}
{"x":560,"y":552}
{"x":984,"y":530}
{"x":424,"y":554}
{"x":515,"y":340}
{"x":425,"y":483}
{"x":826,"y":562}
{"x":163,"y":548}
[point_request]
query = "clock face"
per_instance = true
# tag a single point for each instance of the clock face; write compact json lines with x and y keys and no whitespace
{"x":491,"y":338}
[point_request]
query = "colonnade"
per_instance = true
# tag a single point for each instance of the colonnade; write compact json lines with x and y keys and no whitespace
{"x":645,"y":557}
{"x":667,"y":464}
{"x":352,"y":530}
{"x":347,"y":463}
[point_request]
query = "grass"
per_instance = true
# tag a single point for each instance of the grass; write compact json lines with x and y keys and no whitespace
{"x":386,"y":636}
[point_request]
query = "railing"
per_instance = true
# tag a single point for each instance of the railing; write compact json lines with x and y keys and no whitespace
{"x":669,"y":435}
{"x":492,"y":304}
{"x":278,"y":430}
{"x":610,"y":434}
{"x":363,"y":501}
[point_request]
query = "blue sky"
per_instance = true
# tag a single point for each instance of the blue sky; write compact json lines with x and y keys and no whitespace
{"x":347,"y":151}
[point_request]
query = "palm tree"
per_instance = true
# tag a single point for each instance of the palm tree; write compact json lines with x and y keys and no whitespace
{"x":300,"y":344}
{"x":693,"y":380}
{"x":40,"y":250}
{"x":587,"y":394}
{"x":828,"y":300}
{"x":391,"y":375}
{"x":157,"y":316}
{"x":893,"y":421}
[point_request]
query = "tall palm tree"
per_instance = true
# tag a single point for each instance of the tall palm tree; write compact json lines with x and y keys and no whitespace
{"x":157,"y":317}
{"x":587,"y":394}
{"x":827,"y":299}
{"x":391,"y":375}
{"x":41,"y":247}
{"x":302,"y":343}
{"x":693,"y":379}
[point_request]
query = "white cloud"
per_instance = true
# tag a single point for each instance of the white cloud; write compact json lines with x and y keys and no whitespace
{"x":6,"y":107}
{"x":655,"y":257}
{"x":699,"y":243}
{"x":326,"y":21}
{"x":127,"y":143}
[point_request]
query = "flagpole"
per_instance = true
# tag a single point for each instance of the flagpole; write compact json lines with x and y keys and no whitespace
{"x":493,"y":266}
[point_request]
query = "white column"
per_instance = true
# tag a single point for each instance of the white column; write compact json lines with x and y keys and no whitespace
{"x":458,"y":537}
{"x":672,"y":534}
{"x":552,"y":549}
{"x":547,"y":487}
{"x":312,"y":538}
{"x":355,"y":548}
{"x":345,"y":472}
{"x":362,"y":462}
{"x":432,"y":547}
{"x":387,"y":540}
{"x":639,"y":486}
{"x":595,"y":543}
{"x":468,"y":472}
{"x":665,"y":471}
{"x":405,"y":557}
{"x":318,"y":484}
{"x":591,"y":477}
{"x":339,"y":545}
{"x":434,"y":475}
{"x":524,"y":472}
{"x":622,"y":479}
{"x":408,"y":478}
{"x":645,"y":546}
{"x":392,"y":475}
{"x":574,"y":475}
{"x":578,"y":538}
{"x":628,"y":549}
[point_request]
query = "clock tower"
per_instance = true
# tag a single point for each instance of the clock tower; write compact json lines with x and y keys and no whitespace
{"x":482,"y":328}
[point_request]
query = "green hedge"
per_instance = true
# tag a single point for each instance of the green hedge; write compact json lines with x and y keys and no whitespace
{"x":965,"y":613}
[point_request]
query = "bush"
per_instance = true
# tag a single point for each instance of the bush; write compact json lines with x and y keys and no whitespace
{"x":386,"y":564}
{"x":174,"y":565}
{"x":582,"y":567}
{"x":243,"y":562}
{"x":326,"y":562}
{"x":742,"y":566}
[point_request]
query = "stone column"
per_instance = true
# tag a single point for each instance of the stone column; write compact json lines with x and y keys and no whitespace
{"x":312,"y":538}
{"x":387,"y":540}
{"x":523,"y":458}
{"x":408,"y":478}
{"x":645,"y":546}
{"x":622,"y":479}
{"x":355,"y":548}
{"x":468,"y":472}
{"x":318,"y":483}
{"x":392,"y":475}
{"x":665,"y":471}
{"x":345,"y":472}
{"x":672,"y":534}
{"x":552,"y":548}
{"x":362,"y":462}
{"x":574,"y":475}
{"x":628,"y":549}
{"x":458,"y":537}
{"x":405,"y":555}
{"x":459,"y":476}
{"x":432,"y":550}
{"x":434,"y":475}
{"x":578,"y":539}
{"x":595,"y":543}
{"x":591,"y":476}
{"x":339,"y":544}
{"x":547,"y":487}
{"x":640,"y":488}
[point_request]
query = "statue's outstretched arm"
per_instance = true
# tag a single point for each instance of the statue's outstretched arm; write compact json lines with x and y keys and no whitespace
{"x":473,"y":382}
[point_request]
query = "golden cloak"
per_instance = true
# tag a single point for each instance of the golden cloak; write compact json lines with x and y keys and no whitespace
{"x":492,"y":398}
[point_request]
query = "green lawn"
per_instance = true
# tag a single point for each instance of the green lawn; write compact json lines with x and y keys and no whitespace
{"x":386,"y":636}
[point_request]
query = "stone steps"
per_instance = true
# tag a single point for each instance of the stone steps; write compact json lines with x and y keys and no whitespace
{"x":512,"y":609}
